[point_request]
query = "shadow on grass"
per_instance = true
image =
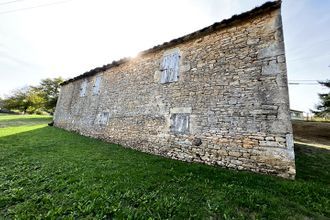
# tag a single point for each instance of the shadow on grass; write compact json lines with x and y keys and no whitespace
{"x":52,"y":172}
{"x":312,"y":163}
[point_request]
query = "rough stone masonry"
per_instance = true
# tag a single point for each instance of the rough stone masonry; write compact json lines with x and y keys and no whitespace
{"x":217,"y":96}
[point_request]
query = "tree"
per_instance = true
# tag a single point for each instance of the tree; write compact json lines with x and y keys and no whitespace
{"x":49,"y":89}
{"x":26,"y":100}
{"x":34,"y":99}
{"x":1,"y":103}
{"x":323,"y":109}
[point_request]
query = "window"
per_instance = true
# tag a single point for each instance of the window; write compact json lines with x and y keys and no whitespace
{"x":102,"y":118}
{"x":83,"y":87}
{"x":170,"y":68}
{"x":180,"y":123}
{"x":96,"y":87}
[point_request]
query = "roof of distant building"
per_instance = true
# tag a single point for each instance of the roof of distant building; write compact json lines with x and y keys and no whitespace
{"x":292,"y":110}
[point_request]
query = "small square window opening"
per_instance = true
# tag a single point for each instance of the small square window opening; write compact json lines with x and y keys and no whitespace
{"x":180,"y":123}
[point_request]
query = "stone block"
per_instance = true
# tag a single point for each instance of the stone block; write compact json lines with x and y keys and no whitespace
{"x":272,"y":50}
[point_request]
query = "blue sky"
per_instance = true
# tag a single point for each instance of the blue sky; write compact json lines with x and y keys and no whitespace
{"x":66,"y":38}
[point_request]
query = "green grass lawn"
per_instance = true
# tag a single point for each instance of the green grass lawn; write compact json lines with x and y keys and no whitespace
{"x":46,"y":172}
{"x":9,"y":120}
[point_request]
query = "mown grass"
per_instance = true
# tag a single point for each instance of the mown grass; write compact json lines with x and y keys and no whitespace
{"x":10,"y":120}
{"x":46,"y":172}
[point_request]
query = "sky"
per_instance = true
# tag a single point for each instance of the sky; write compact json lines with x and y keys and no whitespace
{"x":51,"y":38}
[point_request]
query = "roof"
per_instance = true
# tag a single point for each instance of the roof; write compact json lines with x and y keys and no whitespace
{"x":266,"y":7}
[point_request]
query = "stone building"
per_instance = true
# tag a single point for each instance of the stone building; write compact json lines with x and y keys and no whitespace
{"x":217,"y":96}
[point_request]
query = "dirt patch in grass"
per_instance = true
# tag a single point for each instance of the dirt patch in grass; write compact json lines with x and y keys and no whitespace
{"x":311,"y":132}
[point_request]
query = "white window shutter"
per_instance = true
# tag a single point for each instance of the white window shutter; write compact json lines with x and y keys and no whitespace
{"x":164,"y":70}
{"x":175,"y":67}
{"x":104,"y":118}
{"x":96,"y":87}
{"x":170,"y":68}
{"x":83,"y":88}
{"x":180,"y":123}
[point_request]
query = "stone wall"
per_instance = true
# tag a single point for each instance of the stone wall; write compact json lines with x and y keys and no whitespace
{"x":231,"y":98}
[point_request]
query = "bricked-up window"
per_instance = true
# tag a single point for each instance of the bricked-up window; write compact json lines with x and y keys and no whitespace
{"x":170,"y":68}
{"x":96,"y":86}
{"x":83,"y":88}
{"x":180,"y":123}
